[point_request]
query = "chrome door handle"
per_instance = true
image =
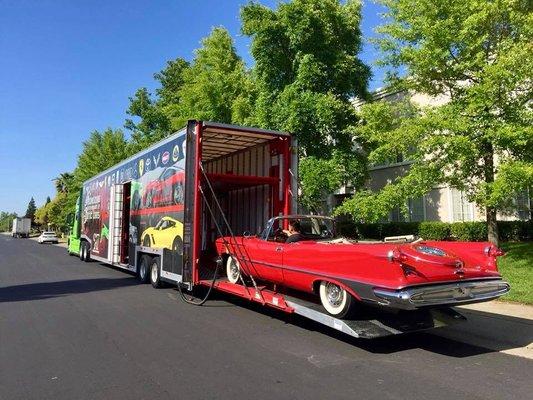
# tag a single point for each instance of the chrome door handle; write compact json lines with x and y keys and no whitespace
{"x":279,"y":248}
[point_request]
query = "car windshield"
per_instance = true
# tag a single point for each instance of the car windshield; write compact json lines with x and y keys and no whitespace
{"x":311,"y":227}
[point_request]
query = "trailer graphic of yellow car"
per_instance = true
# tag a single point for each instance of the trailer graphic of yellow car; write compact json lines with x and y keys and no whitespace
{"x":168,"y":234}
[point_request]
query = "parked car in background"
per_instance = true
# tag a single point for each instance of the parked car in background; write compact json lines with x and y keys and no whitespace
{"x":48,"y":237}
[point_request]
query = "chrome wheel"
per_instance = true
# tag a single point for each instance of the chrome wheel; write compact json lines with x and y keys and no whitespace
{"x":334,"y":294}
{"x":154,"y":272}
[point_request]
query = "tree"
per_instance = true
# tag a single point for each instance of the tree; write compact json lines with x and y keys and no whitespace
{"x":214,"y":81}
{"x":30,"y":211}
{"x":154,"y":124}
{"x":48,"y":200}
{"x":306,"y":72}
{"x":63,"y":182}
{"x":478,"y":55}
{"x":101,"y":151}
{"x":6,"y":219}
{"x":214,"y":87}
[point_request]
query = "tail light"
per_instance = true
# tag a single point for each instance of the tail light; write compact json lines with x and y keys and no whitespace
{"x":493,"y":251}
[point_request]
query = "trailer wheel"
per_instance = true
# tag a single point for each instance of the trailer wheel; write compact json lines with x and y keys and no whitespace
{"x":144,"y":268}
{"x":155,"y":274}
{"x":233,"y":270}
{"x":87,"y":257}
{"x":337,"y":301}
{"x":82,"y":251}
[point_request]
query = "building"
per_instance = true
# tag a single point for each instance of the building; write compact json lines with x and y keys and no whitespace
{"x":442,"y":203}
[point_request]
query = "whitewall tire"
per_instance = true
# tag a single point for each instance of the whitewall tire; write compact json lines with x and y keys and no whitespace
{"x":336,"y":300}
{"x":233,"y":270}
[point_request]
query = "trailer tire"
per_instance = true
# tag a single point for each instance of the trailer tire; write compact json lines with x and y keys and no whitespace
{"x":335,"y":300}
{"x":82,"y":251}
{"x":233,"y":270}
{"x":155,"y":273}
{"x":144,"y":268}
{"x":86,"y":251}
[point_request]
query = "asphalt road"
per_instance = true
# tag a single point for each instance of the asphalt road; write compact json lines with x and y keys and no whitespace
{"x":71,"y":330}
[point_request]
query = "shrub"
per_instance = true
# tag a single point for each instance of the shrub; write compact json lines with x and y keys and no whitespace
{"x":469,"y":231}
{"x":514,"y":231}
{"x":433,"y":230}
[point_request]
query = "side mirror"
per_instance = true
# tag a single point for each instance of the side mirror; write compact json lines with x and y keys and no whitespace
{"x":246,"y":234}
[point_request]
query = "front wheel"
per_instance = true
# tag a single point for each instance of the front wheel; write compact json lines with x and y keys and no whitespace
{"x":144,"y":267}
{"x":233,"y":270}
{"x":336,"y":300}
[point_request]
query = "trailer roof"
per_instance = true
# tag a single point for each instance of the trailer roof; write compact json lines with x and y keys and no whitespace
{"x":219,"y":139}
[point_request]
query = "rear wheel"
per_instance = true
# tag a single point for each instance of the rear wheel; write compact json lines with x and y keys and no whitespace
{"x":336,"y":300}
{"x":144,"y":268}
{"x":155,"y":277}
{"x":82,"y":251}
{"x":233,"y":270}
{"x":87,"y":256}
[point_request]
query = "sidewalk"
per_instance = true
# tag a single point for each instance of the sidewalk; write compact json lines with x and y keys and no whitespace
{"x":495,"y":325}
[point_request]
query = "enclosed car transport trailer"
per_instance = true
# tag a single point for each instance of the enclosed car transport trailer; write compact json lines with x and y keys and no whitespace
{"x":159,"y":213}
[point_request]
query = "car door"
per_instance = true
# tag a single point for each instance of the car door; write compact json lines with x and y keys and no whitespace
{"x":266,"y":257}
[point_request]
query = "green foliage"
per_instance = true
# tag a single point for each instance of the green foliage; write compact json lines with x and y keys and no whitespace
{"x":6,"y":220}
{"x":514,"y":231}
{"x":214,"y":81}
{"x":515,"y":266}
{"x":469,"y":231}
{"x":154,"y":124}
{"x":30,"y":211}
{"x":434,"y":230}
{"x":476,"y":54}
{"x":306,"y":71}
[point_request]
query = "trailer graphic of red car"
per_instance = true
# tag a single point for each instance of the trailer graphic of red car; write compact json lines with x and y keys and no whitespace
{"x":166,"y":189}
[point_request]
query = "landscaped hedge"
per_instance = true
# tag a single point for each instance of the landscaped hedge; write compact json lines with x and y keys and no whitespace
{"x":510,"y":231}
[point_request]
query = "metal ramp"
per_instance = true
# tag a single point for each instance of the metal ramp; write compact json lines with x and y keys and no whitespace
{"x":381,"y":323}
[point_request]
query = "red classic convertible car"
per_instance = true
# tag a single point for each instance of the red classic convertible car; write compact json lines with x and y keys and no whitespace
{"x":302,"y":253}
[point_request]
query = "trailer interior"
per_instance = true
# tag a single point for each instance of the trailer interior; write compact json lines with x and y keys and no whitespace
{"x":249,"y":182}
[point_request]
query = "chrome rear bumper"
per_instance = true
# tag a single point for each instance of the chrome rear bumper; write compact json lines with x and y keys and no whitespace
{"x":448,"y":294}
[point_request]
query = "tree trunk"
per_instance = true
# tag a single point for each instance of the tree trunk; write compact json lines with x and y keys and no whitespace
{"x":492,"y":223}
{"x":492,"y":226}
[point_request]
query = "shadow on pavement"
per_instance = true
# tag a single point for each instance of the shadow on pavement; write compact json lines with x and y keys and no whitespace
{"x":47,"y":290}
{"x":424,"y":340}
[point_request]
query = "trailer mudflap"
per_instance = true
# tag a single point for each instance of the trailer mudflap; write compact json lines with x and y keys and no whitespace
{"x":381,"y":323}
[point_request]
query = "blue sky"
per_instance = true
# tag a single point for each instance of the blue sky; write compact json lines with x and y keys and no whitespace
{"x":68,"y":67}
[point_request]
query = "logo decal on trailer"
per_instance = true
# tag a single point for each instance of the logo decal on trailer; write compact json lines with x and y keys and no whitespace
{"x":141,"y":167}
{"x":175,"y":153}
{"x":156,"y":160}
{"x":165,"y":158}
